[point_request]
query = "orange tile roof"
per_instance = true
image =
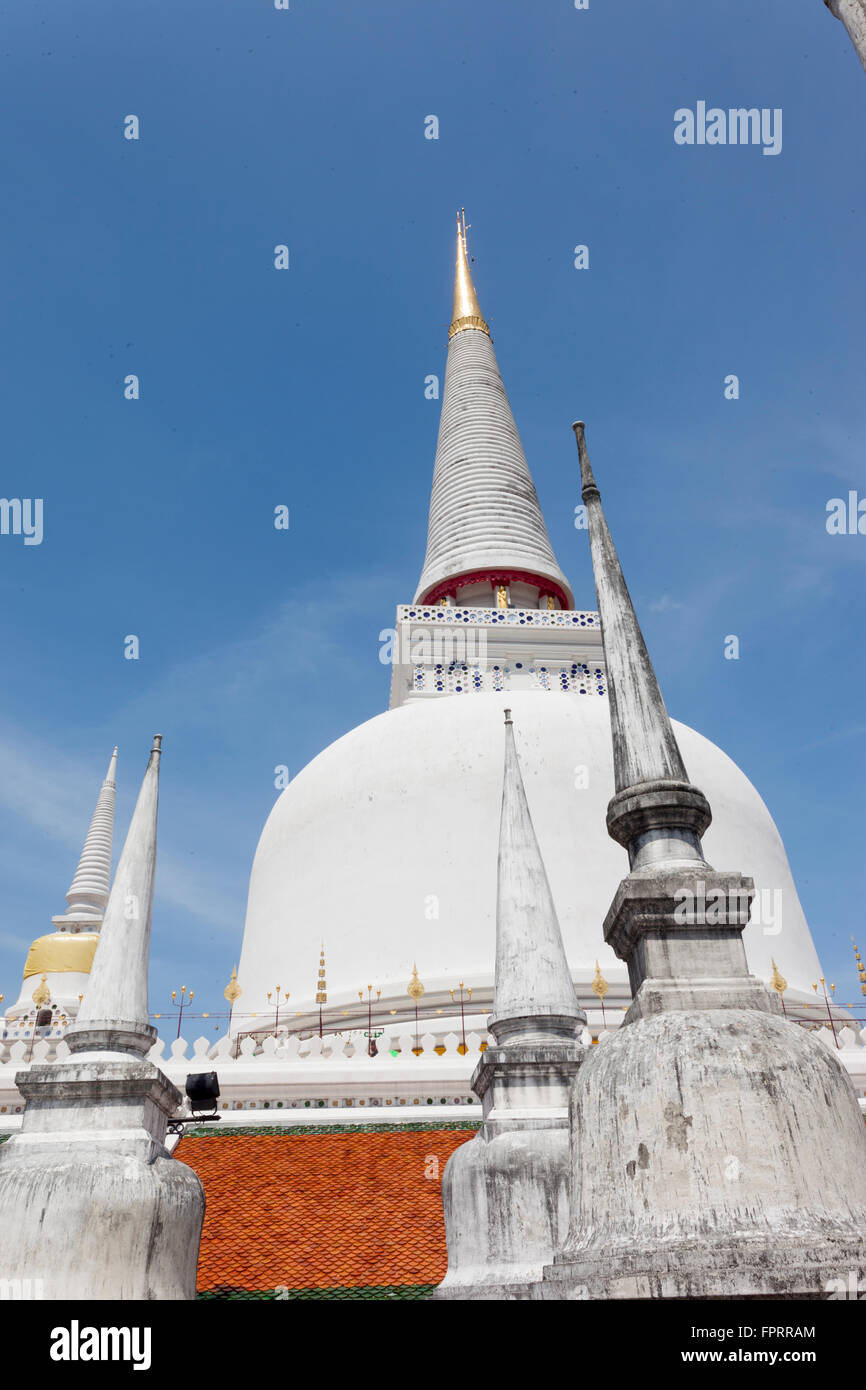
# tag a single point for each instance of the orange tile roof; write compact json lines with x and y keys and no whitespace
{"x":321,"y":1210}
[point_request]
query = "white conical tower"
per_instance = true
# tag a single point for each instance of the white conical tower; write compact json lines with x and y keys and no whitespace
{"x":88,"y":892}
{"x":89,"y":1172}
{"x":65,"y":955}
{"x":505,"y":1194}
{"x":114,"y":1011}
{"x":486,"y":529}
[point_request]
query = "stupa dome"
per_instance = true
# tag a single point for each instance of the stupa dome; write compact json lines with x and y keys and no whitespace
{"x":384,"y":848}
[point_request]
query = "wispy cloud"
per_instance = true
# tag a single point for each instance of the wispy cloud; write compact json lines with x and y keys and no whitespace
{"x":665,"y":604}
{"x":304,"y":636}
{"x":224,"y":689}
{"x":47,"y":789}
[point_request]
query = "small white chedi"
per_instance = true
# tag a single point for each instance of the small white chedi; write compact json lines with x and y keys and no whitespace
{"x":59,"y":963}
{"x":91,"y":1204}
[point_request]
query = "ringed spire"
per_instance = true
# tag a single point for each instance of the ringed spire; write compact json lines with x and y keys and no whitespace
{"x":487,"y":543}
{"x":89,"y":890}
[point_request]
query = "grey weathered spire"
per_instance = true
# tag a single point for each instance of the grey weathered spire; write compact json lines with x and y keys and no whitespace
{"x":656,"y":812}
{"x":113,"y":1014}
{"x":853,"y":15}
{"x":701,"y":1161}
{"x":89,"y":890}
{"x":534,"y":993}
{"x":485,"y":518}
{"x":505,"y":1194}
{"x":659,"y":817}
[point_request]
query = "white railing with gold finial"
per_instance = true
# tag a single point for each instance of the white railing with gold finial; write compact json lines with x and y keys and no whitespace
{"x":289,"y":1079}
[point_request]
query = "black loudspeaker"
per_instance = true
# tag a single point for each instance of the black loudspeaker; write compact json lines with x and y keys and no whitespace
{"x":203,"y":1090}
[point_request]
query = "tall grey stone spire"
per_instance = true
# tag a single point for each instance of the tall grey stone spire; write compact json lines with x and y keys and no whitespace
{"x":647,"y":761}
{"x":505,"y":1194}
{"x":486,"y":524}
{"x":853,"y":15}
{"x":90,"y":887}
{"x":91,"y":1204}
{"x":114,"y":1009}
{"x":717,"y":1150}
{"x":656,"y":813}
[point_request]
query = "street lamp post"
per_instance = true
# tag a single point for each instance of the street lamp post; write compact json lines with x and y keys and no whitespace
{"x":827,"y":1002}
{"x":462,"y":1048}
{"x":372,"y":1049}
{"x":277,"y":1018}
{"x":185,"y":1000}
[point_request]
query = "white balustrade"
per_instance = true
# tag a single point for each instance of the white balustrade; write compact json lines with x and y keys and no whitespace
{"x":322,"y":1076}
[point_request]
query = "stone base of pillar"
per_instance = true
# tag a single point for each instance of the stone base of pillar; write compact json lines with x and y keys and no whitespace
{"x":727,"y":1160}
{"x":774,"y":1273}
{"x":92,"y":1206}
{"x":505,"y":1194}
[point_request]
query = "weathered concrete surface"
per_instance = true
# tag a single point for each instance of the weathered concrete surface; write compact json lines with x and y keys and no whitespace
{"x":507,"y":1195}
{"x":681,"y":932}
{"x":853,"y":15}
{"x":716,"y":1154}
{"x":91,"y":1203}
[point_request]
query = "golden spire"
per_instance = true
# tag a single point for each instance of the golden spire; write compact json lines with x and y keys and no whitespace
{"x":41,"y":994}
{"x":599,"y":984}
{"x":467,"y":311}
{"x":233,"y":991}
{"x":322,"y":984}
{"x":777,"y":980}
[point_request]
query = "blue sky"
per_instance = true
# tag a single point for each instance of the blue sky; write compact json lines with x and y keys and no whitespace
{"x":306,"y":388}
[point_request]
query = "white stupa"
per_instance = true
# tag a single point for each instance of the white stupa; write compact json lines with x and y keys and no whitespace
{"x":385,"y":845}
{"x":58,"y":965}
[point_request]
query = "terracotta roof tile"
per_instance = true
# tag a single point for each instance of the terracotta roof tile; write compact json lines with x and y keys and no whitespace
{"x":322,"y":1211}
